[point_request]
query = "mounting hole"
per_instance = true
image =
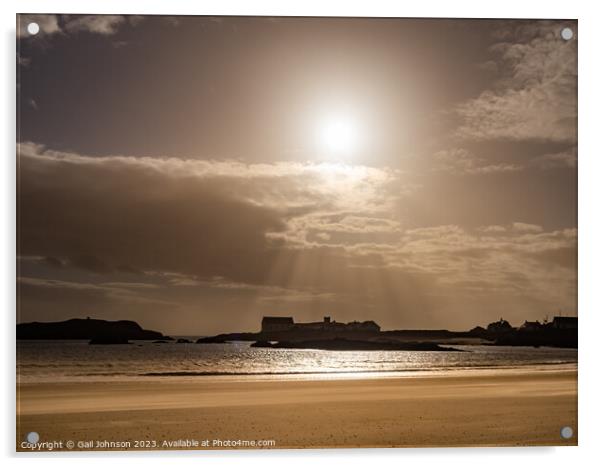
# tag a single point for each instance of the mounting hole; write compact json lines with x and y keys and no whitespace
{"x":566,"y":432}
{"x":33,"y":28}
{"x":566,"y":33}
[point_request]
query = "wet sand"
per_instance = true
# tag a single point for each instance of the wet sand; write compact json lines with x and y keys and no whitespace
{"x":500,"y":408}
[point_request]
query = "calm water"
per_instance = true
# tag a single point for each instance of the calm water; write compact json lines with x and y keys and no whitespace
{"x":57,"y":361}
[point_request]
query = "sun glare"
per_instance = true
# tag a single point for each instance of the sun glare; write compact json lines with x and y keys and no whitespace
{"x":338,"y":135}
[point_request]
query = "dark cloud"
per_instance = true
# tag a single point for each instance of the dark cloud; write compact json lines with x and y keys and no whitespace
{"x":53,"y":261}
{"x":48,"y":300}
{"x":91,"y":263}
{"x":102,"y":214}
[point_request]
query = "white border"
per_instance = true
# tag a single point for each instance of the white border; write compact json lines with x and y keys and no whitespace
{"x":590,"y":226}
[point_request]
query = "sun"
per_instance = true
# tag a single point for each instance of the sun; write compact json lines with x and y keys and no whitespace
{"x":338,"y":135}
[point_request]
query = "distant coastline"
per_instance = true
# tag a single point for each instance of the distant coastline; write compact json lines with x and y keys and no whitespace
{"x":561,"y":332}
{"x":283,"y":332}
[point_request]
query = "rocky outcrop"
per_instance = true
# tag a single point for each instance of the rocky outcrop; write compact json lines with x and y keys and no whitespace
{"x":341,"y":344}
{"x":217,"y":339}
{"x":262,"y":344}
{"x":109,"y":341}
{"x":547,"y":336}
{"x":86,"y":329}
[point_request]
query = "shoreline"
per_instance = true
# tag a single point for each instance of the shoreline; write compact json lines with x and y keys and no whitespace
{"x":301,"y":375}
{"x":508,"y":407}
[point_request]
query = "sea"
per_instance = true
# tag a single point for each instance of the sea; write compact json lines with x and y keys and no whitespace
{"x":51,"y":361}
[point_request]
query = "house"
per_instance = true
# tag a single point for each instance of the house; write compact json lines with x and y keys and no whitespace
{"x":283,"y":324}
{"x":564,"y":323}
{"x":277,"y":324}
{"x":325,"y":324}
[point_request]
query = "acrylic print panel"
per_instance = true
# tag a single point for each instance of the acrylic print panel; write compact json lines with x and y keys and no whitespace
{"x":253,"y":232}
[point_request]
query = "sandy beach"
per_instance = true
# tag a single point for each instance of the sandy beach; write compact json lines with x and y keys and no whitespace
{"x":500,"y":408}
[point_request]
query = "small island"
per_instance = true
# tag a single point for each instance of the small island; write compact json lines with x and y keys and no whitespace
{"x":96,"y":330}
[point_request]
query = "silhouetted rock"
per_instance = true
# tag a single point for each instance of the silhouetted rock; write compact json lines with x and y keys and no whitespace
{"x":183,"y":340}
{"x":86,"y":329}
{"x":341,"y":344}
{"x":479,"y":332}
{"x":217,"y":339}
{"x":547,"y":335}
{"x":262,"y":344}
{"x":109,"y":341}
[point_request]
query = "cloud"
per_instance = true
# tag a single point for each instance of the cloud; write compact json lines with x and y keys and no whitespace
{"x":462,"y":162}
{"x":243,"y":239}
{"x":46,"y":299}
{"x":90,"y":263}
{"x":526,"y":227}
{"x":72,"y":24}
{"x":43,"y":288}
{"x":535,"y":96}
{"x":130,"y":285}
{"x":52,"y":261}
{"x":105,"y":212}
{"x":194,"y":216}
{"x":521,"y":260}
{"x":445,"y":247}
{"x":564,"y":159}
{"x":492,"y":229}
{"x":99,"y":24}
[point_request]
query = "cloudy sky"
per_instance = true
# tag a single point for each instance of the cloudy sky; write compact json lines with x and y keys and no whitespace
{"x":197,"y":173}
